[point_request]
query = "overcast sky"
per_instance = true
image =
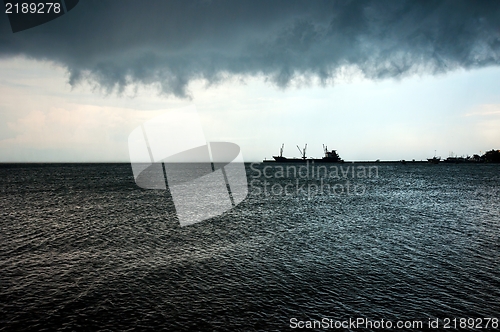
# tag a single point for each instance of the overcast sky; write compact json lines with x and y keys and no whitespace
{"x":372,"y":79}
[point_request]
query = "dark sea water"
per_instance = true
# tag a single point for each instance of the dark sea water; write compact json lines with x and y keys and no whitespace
{"x":83,"y":248}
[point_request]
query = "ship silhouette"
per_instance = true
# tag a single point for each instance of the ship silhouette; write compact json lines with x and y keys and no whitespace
{"x":331,"y":156}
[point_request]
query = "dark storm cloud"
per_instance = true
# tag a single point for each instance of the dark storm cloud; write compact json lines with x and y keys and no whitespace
{"x":170,"y":43}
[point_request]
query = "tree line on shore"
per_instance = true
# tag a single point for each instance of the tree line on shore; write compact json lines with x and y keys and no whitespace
{"x":492,"y":156}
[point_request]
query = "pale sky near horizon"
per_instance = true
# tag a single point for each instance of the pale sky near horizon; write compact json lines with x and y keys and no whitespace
{"x":44,"y":118}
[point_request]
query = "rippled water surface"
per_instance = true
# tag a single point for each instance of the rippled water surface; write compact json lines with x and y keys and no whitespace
{"x":83,"y":248}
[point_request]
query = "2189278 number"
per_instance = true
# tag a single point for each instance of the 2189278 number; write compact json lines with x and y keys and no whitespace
{"x":471,"y":323}
{"x":33,"y":8}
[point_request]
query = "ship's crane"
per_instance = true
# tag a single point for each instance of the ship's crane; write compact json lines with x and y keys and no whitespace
{"x":281,"y":150}
{"x":303,"y":152}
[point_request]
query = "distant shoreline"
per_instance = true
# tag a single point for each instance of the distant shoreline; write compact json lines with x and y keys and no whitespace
{"x":67,"y":163}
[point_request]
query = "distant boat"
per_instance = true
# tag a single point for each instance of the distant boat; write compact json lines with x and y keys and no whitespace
{"x":331,"y":156}
{"x":455,"y":160}
{"x":434,"y":160}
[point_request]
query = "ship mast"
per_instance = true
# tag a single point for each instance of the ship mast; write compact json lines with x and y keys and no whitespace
{"x":281,"y":150}
{"x":303,"y":152}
